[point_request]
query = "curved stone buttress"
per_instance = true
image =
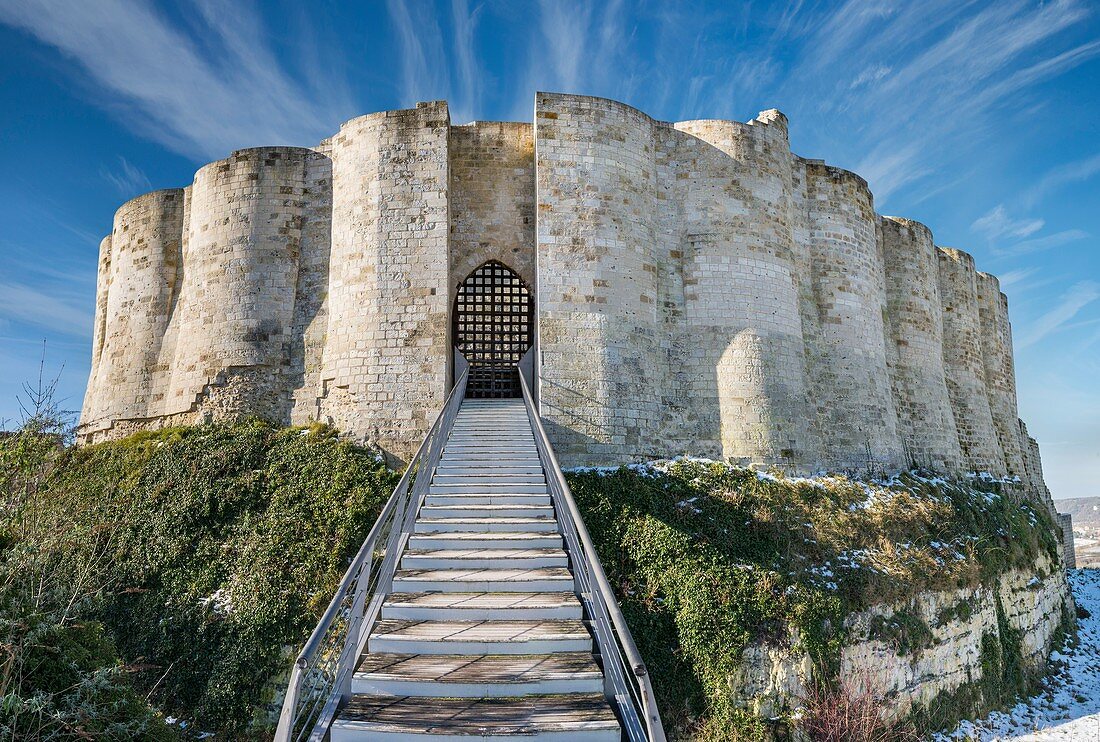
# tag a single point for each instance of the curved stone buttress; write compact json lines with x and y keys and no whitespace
{"x":138,"y":268}
{"x":741,"y":314}
{"x":926,"y":421}
{"x":1000,"y":375}
{"x":852,"y":400}
{"x":232,"y":324}
{"x":602,"y":371}
{"x":965,"y":369}
{"x":386,"y":358}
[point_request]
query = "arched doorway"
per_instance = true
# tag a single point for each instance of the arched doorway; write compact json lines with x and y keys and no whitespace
{"x":493,"y":327}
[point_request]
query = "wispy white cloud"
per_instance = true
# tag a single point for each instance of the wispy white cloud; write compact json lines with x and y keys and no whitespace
{"x":907,"y":90}
{"x":201,"y":99}
{"x":1062,"y":175}
{"x":423,"y":61}
{"x":871,"y":75}
{"x":1079,"y":296}
{"x":128,"y":179}
{"x":996,"y":224}
{"x":579,"y":47}
{"x":1039,"y":244}
{"x":25,"y":305}
{"x":465,"y":21}
{"x":1015,"y":277}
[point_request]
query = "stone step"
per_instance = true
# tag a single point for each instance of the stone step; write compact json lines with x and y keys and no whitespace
{"x":485,"y":477}
{"x":467,"y":510}
{"x":490,"y":525}
{"x":481,"y":606}
{"x":479,"y":637}
{"x":483,"y":558}
{"x":487,"y":500}
{"x":493,"y":431}
{"x":478,"y":487}
{"x":491,"y":469}
{"x":488,"y":676}
{"x":471,"y":580}
{"x":485,"y":540}
{"x":565,"y":718}
{"x":530,"y":454}
{"x":483,"y":460}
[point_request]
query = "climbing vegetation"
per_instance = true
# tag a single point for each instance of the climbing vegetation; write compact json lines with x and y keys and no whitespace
{"x":708,"y":558}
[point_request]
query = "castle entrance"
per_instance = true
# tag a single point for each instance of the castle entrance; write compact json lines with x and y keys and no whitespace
{"x":493,"y":327}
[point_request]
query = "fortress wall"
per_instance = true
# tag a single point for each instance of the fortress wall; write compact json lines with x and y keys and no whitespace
{"x":996,"y":344}
{"x":926,"y":423}
{"x":142,"y":263}
{"x":310,"y":321}
{"x":233,"y":319}
{"x":746,"y":386}
{"x":602,"y":368}
{"x":492,"y":195}
{"x":1033,"y":467}
{"x":850,"y":384}
{"x":965,"y":370}
{"x":93,"y":405}
{"x":386,"y":357}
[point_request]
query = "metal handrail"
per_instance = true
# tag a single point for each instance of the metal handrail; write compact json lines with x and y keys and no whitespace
{"x":320,"y":679}
{"x":627,"y":684}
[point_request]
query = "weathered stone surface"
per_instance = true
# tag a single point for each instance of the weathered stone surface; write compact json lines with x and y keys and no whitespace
{"x":699,"y":290}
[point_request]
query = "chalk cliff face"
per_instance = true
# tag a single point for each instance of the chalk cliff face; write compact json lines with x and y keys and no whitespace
{"x":699,"y":289}
{"x":1021,"y":612}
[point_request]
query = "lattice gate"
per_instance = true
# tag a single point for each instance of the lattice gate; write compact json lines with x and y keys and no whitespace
{"x":493,"y":327}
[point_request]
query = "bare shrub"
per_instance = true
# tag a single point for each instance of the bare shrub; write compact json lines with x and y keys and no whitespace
{"x":850,"y":711}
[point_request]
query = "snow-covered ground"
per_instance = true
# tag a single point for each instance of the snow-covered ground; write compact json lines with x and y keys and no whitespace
{"x":1070,"y":710}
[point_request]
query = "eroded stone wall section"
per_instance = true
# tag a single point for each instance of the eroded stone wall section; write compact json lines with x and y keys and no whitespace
{"x":492,"y":197}
{"x":965,"y":369}
{"x":234,"y":316}
{"x":386,"y":358}
{"x":851,"y":391}
{"x":96,"y":393}
{"x":926,"y":423}
{"x":310,"y":322}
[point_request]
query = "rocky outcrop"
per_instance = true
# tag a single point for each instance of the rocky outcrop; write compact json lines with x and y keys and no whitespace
{"x":912,"y":652}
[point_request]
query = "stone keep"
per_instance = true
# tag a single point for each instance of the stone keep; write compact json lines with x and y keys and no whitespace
{"x":699,"y":290}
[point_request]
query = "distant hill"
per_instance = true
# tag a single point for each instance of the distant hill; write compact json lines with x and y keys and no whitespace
{"x":1085,"y":510}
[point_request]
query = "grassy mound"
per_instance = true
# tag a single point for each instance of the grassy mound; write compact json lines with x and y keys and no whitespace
{"x":201,"y":556}
{"x":708,"y":558}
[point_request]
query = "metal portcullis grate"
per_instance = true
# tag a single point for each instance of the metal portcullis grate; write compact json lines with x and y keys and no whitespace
{"x":493,"y":326}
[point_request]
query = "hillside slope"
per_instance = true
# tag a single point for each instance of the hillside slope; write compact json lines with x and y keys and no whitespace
{"x":202,"y":556}
{"x":758,"y":600}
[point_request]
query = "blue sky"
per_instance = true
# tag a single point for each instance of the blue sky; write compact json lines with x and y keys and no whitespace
{"x":978,"y":119}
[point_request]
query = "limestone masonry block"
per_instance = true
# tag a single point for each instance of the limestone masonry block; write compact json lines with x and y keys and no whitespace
{"x":699,"y":290}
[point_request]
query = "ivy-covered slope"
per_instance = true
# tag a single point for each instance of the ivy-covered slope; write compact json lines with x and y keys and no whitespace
{"x":200,"y":557}
{"x":708,"y":558}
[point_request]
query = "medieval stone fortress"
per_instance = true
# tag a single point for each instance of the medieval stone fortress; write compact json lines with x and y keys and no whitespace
{"x":689,"y":288}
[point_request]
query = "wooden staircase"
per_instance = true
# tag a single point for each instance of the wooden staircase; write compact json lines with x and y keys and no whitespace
{"x":482,"y":636}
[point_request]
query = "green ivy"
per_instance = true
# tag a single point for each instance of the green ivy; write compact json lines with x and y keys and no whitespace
{"x":213,"y":551}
